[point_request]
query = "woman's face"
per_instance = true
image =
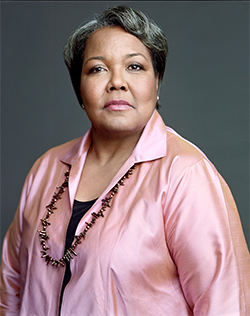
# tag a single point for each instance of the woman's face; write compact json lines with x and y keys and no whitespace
{"x":118,"y":83}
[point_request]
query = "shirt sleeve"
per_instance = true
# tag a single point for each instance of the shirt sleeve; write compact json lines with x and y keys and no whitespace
{"x":206,"y":241}
{"x":10,"y":265}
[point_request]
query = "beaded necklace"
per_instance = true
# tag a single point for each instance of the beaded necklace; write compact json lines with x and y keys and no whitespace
{"x":70,"y":252}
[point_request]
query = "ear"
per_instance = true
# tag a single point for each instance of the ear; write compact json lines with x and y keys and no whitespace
{"x":157,"y":83}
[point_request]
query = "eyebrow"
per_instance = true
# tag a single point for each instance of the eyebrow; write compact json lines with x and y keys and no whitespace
{"x":102,"y":58}
{"x":135,"y":54}
{"x":94,"y":58}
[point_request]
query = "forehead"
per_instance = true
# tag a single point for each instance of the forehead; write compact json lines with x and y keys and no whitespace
{"x":114,"y":41}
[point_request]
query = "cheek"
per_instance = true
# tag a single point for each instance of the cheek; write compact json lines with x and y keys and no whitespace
{"x":88,"y":92}
{"x":146,"y":90}
{"x":92,"y":91}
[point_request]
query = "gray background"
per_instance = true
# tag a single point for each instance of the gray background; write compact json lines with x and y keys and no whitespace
{"x":205,"y":95}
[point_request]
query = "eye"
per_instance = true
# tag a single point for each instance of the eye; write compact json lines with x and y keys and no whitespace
{"x":96,"y":69}
{"x":135,"y":67}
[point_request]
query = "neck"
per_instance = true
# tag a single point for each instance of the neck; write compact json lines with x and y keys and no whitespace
{"x":111,"y":150}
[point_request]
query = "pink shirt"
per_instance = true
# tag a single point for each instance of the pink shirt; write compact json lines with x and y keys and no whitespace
{"x":170,"y":245}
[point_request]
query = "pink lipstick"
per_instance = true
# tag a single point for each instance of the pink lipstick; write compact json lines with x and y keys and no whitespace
{"x":118,"y":105}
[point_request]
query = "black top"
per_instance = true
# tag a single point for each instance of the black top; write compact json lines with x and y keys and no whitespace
{"x":79,"y":209}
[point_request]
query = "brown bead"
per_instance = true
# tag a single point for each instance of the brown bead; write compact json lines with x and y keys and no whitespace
{"x":50,"y":210}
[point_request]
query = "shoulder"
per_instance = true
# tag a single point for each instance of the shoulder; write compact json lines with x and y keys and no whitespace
{"x":61,"y":150}
{"x":178,"y":146}
{"x":58,"y":152}
{"x":51,"y":162}
{"x":181,"y":148}
{"x":183,"y":158}
{"x":170,"y":153}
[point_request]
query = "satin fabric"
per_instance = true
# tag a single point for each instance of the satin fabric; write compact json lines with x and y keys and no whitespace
{"x":170,"y":245}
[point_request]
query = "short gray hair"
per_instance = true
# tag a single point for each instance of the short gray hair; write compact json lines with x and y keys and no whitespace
{"x":132,"y":21}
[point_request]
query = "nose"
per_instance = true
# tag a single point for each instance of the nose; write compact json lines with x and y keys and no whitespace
{"x":117,"y":81}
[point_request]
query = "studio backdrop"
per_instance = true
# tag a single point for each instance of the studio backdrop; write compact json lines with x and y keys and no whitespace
{"x":204,"y":96}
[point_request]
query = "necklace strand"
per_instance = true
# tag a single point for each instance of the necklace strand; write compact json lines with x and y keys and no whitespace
{"x":70,"y":252}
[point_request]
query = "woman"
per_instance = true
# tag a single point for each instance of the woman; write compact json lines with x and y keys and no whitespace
{"x":130,"y":219}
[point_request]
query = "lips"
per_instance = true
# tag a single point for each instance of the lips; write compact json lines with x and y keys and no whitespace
{"x":118,"y":105}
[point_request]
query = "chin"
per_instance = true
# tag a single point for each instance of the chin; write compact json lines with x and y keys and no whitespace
{"x":116,"y":130}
